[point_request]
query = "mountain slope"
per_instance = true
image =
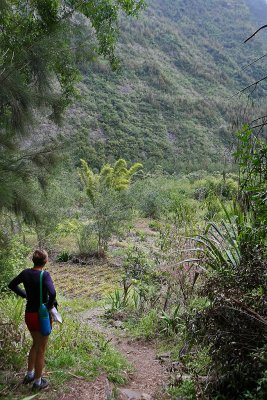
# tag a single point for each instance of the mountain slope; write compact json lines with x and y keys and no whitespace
{"x":172,"y":104}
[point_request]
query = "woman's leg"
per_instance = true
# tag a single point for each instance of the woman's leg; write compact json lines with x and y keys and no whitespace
{"x":32,"y":355}
{"x":37,"y":353}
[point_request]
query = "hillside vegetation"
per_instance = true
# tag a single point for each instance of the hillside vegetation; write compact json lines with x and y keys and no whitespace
{"x":172,"y":102}
{"x":154,"y":235}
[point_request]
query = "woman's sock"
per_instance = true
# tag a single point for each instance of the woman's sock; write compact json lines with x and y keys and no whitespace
{"x":37,"y":381}
{"x":30,"y":374}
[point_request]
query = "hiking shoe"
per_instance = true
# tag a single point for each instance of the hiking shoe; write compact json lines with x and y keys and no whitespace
{"x":40,"y":386}
{"x":27,"y":380}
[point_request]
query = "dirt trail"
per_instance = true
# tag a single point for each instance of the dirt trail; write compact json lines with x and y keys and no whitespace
{"x":145,"y":383}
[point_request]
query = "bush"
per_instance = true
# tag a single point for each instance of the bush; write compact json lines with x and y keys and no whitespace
{"x":87,"y":240}
{"x":64,"y":256}
{"x":12,"y":258}
{"x":156,"y":196}
{"x":146,"y":327}
{"x":234,"y":325}
{"x":12,"y":332}
{"x":186,"y":390}
{"x":224,"y":189}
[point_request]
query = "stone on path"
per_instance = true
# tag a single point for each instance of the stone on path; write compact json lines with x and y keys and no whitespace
{"x":128,"y":394}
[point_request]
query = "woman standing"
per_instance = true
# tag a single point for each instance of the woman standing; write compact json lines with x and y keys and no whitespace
{"x":30,"y":278}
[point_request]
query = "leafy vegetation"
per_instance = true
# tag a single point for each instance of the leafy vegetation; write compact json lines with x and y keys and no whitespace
{"x":74,"y":348}
{"x":38,"y":72}
{"x":110,"y":207}
{"x":172,"y":103}
{"x":210,"y":289}
{"x":174,"y":250}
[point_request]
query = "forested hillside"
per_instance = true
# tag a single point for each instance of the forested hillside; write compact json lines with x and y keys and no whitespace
{"x":172,"y":102}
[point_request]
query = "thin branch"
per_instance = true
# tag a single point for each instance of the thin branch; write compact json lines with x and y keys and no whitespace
{"x":249,"y":86}
{"x":259,"y":126}
{"x":248,"y":309}
{"x":11,"y":164}
{"x":261,"y":320}
{"x":34,"y":154}
{"x":257,"y":119}
{"x":252,"y":91}
{"x":255,"y":33}
{"x":254,"y":83}
{"x":253,"y":62}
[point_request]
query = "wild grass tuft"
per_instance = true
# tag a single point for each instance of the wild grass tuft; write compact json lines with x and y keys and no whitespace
{"x":74,"y":349}
{"x":146,"y":327}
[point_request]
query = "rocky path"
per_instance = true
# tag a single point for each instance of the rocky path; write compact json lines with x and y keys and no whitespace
{"x":145,"y":383}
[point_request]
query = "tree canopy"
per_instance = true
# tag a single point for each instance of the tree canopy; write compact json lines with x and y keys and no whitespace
{"x":38,"y":72}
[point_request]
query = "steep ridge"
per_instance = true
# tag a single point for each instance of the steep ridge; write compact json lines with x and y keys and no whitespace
{"x":172,"y":103}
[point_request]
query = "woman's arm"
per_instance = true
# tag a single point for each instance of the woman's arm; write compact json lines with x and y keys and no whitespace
{"x":51,"y":290}
{"x":15,"y":288}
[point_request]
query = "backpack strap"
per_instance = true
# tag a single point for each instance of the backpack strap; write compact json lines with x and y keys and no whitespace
{"x":41,"y":287}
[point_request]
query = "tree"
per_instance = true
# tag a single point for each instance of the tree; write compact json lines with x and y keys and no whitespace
{"x":38,"y":72}
{"x":107,"y":194}
{"x":117,"y":178}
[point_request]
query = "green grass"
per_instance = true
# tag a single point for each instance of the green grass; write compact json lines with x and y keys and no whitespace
{"x":78,"y":304}
{"x":145,"y":327}
{"x":74,"y":349}
{"x":186,"y":391}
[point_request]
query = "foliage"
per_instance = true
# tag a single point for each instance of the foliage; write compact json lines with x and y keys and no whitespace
{"x":222,"y":243}
{"x":186,"y":389}
{"x":117,"y":301}
{"x":140,"y":284}
{"x":117,"y":178}
{"x":73,"y":347}
{"x":234,"y":323}
{"x":107,"y":192}
{"x":87,"y":240}
{"x":145,"y":327}
{"x":64,"y":256}
{"x":260,"y":391}
{"x":171,"y":322}
{"x":68,"y":227}
{"x":141,"y":275}
{"x":251,"y":156}
{"x":172,"y":111}
{"x":225,"y":189}
{"x":212,"y":206}
{"x":212,"y":191}
{"x":149,"y":198}
{"x":53,"y":205}
{"x":158,"y":196}
{"x":12,"y":258}
{"x":38,"y":72}
{"x":11,"y":312}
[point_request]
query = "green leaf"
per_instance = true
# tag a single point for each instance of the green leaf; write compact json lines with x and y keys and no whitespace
{"x":29,"y":397}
